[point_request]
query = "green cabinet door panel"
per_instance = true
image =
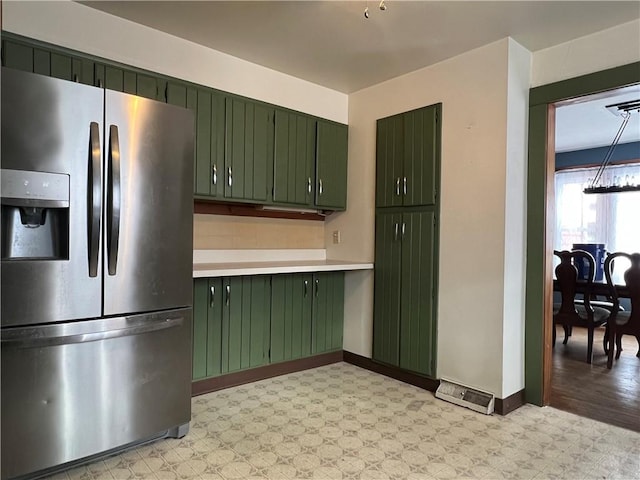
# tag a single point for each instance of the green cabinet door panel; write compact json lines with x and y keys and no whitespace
{"x":83,"y":70}
{"x":328,"y":311}
{"x":417,"y":325}
{"x":245,"y":326}
{"x":207,"y":327}
{"x":387,"y":278}
{"x":18,"y":56}
{"x":290,"y":317}
{"x":151,"y":86}
{"x":407,"y":158}
{"x":294,"y":156}
{"x":210,"y":124}
{"x":331,"y":165}
{"x":214,"y":327}
{"x":420,"y":156}
{"x":61,"y":66}
{"x":249,"y":135}
{"x":404,"y":295}
{"x":389,"y":154}
{"x":183,"y":95}
{"x":200,"y":318}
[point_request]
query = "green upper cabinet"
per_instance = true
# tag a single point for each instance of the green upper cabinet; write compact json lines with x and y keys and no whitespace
{"x":151,"y":86}
{"x":18,"y":56}
{"x":44,"y":62}
{"x":209,"y":106}
{"x":389,"y":165}
{"x":248,"y":152}
{"x":294,"y":158}
{"x":407,"y":158}
{"x":404,"y":330}
{"x":331,"y":165}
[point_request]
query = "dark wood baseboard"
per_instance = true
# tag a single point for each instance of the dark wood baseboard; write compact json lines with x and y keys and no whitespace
{"x":503,"y":406}
{"x":393,"y":372}
{"x":200,"y":387}
{"x":207,"y":385}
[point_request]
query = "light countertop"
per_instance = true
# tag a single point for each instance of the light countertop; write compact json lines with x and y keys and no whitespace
{"x":225,"y":263}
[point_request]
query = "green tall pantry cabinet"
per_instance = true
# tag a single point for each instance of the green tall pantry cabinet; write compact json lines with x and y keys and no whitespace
{"x":406,"y":251}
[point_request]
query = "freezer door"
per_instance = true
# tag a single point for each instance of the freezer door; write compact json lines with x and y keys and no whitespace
{"x":148,"y":233}
{"x":78,"y":389}
{"x":51,"y":199}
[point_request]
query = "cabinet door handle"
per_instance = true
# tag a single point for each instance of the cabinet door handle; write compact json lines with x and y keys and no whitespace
{"x":306,"y":288}
{"x":309,"y":185}
{"x":320,"y":187}
{"x":212,"y":296}
{"x":317,"y":286}
{"x":228,"y":295}
{"x":403,"y":229}
{"x":396,"y":229}
{"x":398,"y":186}
{"x":404,"y":186}
{"x":229,"y":177}
{"x":214,"y":174}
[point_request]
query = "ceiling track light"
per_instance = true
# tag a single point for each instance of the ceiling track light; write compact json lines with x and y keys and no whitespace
{"x":382,"y":6}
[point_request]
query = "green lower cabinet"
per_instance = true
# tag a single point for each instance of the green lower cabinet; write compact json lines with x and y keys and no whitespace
{"x":290,"y":317}
{"x":404,"y":327}
{"x":245,"y":322}
{"x":230,"y":324}
{"x":207,"y":328}
{"x":328,"y":312}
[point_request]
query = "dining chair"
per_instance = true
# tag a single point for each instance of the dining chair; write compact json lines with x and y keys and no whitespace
{"x":624,"y":322}
{"x":568,"y":313}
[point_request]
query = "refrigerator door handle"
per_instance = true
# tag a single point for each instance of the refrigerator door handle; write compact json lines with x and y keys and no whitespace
{"x":32,"y":337}
{"x":94,"y":200}
{"x":113,"y":200}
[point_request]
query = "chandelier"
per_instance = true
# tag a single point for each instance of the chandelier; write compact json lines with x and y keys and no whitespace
{"x":625,"y":110}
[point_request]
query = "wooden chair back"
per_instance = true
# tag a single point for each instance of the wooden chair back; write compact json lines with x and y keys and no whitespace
{"x":632,"y":283}
{"x":567,"y":279}
{"x":628,"y":323}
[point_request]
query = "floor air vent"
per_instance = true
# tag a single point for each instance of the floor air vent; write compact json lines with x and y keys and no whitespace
{"x":466,"y":397}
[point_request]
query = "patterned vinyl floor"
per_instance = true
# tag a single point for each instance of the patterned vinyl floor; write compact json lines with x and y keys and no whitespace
{"x":340,"y":421}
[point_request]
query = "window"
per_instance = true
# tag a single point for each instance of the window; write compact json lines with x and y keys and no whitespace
{"x":612,"y":219}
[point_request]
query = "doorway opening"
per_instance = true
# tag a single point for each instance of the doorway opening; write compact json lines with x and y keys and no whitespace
{"x":540,"y":201}
{"x":584,"y":130}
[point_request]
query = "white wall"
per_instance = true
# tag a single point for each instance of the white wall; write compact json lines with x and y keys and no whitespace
{"x":78,"y":27}
{"x":519,"y":72}
{"x":609,"y":48}
{"x":473,"y":90}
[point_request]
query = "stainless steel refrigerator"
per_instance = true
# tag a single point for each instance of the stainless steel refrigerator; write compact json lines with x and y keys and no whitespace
{"x":96,"y":273}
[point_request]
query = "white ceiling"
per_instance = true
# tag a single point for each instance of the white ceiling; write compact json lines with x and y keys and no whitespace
{"x":331,"y":43}
{"x":587,"y":123}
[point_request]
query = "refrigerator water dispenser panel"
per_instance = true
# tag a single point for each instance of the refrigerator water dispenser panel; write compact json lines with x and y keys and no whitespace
{"x":35,"y":215}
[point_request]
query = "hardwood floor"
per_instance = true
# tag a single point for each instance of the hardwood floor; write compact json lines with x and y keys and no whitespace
{"x":593,"y":391}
